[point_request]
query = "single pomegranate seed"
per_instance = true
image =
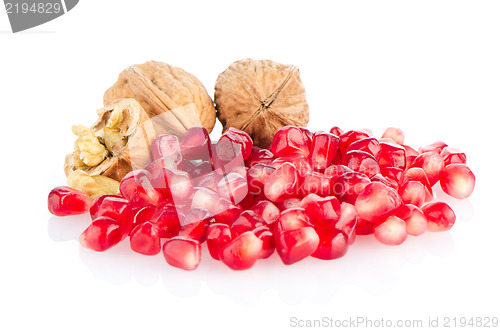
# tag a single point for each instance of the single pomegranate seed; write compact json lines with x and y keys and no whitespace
{"x":283,"y":183}
{"x":418,"y":174}
{"x":257,"y":176}
{"x":386,"y":181}
{"x":245,"y":138}
{"x":267,"y":210}
{"x":453,"y":155}
{"x":413,"y":193}
{"x":195,"y":224}
{"x":439,"y":215}
{"x":218,"y":236}
{"x":267,"y":237}
{"x":198,"y":169}
{"x":157,"y":167}
{"x":347,"y":138}
{"x":205,"y":198}
{"x":247,"y":221}
{"x":65,"y":201}
{"x":195,"y":144}
{"x":102,"y":234}
{"x":209,"y":181}
{"x":324,"y":148}
{"x":457,"y":180}
{"x":166,"y":145}
{"x":395,"y":134}
{"x":227,"y":212}
{"x":368,"y":145}
{"x":182,"y":253}
{"x":259,"y":155}
{"x":324,"y":212}
{"x":290,"y":140}
{"x":242,"y":252}
{"x":289,"y":203}
{"x":434,"y":147}
{"x":145,"y":239}
{"x":362,"y":162}
{"x":233,"y":187}
{"x":299,"y":161}
{"x":347,"y":220}
{"x":349,"y":185}
{"x":411,"y":155}
{"x":432,"y":163}
{"x":167,"y":220}
{"x":416,"y":222}
{"x":332,"y":245}
{"x":316,"y":183}
{"x":116,"y":208}
{"x":233,"y":144}
{"x":391,"y":232}
{"x":336,"y":131}
{"x":137,"y":188}
{"x":291,"y":219}
{"x":396,"y":174}
{"x":376,"y":202}
{"x":392,"y":155}
{"x":176,"y":184}
{"x":143,"y":214}
{"x":364,"y":227}
{"x":295,"y":245}
{"x":336,"y":170}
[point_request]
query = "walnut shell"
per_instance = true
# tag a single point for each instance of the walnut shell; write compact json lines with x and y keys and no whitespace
{"x":260,"y":97}
{"x":172,"y":97}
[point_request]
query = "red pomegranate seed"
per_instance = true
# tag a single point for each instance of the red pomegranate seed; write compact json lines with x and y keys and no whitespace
{"x":116,"y":208}
{"x":102,"y":234}
{"x":434,"y":147}
{"x":336,"y":131}
{"x":397,"y":135}
{"x":416,"y":223}
{"x":324,"y":212}
{"x":137,"y":188}
{"x":411,"y":155}
{"x":143,"y":214}
{"x":195,"y":144}
{"x":347,"y":220}
{"x":392,"y":155}
{"x":245,"y":138}
{"x":66,"y":201}
{"x":347,"y":138}
{"x":195,"y":224}
{"x":145,"y":239}
{"x":227,"y":212}
{"x":205,"y":198}
{"x":362,"y":162}
{"x":332,"y":245}
{"x":418,"y":174}
{"x":386,"y":181}
{"x":229,"y":147}
{"x":432,"y":163}
{"x":324,"y":148}
{"x":259,"y":155}
{"x":267,"y":237}
{"x":439,"y":215}
{"x":395,"y":174}
{"x":289,"y":203}
{"x":457,"y":180}
{"x":218,"y":236}
{"x":391,"y":232}
{"x":349,"y":185}
{"x":176,"y":184}
{"x":291,"y":219}
{"x":209,"y":181}
{"x":182,"y":253}
{"x":166,"y":145}
{"x":233,"y":187}
{"x":413,"y":193}
{"x":198,"y":169}
{"x":247,"y":221}
{"x":242,"y":252}
{"x":376,"y":202}
{"x":156,"y":168}
{"x":316,"y":183}
{"x":267,"y":210}
{"x":257,"y":176}
{"x":299,"y":161}
{"x":283,"y":183}
{"x":453,"y":155}
{"x":336,"y":170}
{"x":368,"y":145}
{"x":290,"y":140}
{"x":167,"y":220}
{"x":364,"y":227}
{"x":295,"y":245}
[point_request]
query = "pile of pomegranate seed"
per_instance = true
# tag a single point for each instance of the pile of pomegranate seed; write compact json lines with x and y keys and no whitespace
{"x":309,"y":194}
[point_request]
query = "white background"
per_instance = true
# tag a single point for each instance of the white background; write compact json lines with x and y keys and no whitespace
{"x":431,"y":68}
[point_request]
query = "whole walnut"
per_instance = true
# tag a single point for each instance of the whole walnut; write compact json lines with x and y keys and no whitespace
{"x":260,"y":97}
{"x":174,"y":99}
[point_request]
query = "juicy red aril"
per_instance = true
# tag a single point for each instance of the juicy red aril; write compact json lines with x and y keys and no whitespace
{"x":96,"y":204}
{"x":432,"y":163}
{"x":291,"y":219}
{"x":242,"y":252}
{"x":324,"y":148}
{"x":65,"y":201}
{"x":232,"y":144}
{"x":102,"y":234}
{"x":392,"y":155}
{"x":176,"y":184}
{"x":182,"y":253}
{"x":324,"y":212}
{"x":205,"y":198}
{"x":195,"y":224}
{"x":349,"y":185}
{"x":362,"y":162}
{"x":376,"y":202}
{"x":289,"y":203}
{"x":267,"y":210}
{"x":233,"y":187}
{"x":195,"y":144}
{"x":283,"y":183}
{"x":199,"y":169}
{"x":218,"y":236}
{"x":396,"y":174}
{"x":392,"y":231}
{"x":167,"y":221}
{"x":413,"y":193}
{"x":418,"y":174}
{"x":116,"y":208}
{"x":457,"y":180}
{"x":395,"y":134}
{"x":336,"y":131}
{"x":209,"y":181}
{"x":434,"y":147}
{"x":259,"y":155}
{"x":267,"y":237}
{"x":316,"y":183}
{"x":137,"y":188}
{"x":439,"y":215}
{"x":227,"y":212}
{"x":368,"y":145}
{"x":336,"y":170}
{"x":299,"y":161}
{"x":143,"y":214}
{"x":364,"y":227}
{"x":416,"y":222}
{"x":411,"y":155}
{"x":166,"y":145}
{"x":347,"y":220}
{"x":347,"y":138}
{"x":386,"y":181}
{"x":245,"y":138}
{"x":295,"y":245}
{"x":290,"y":140}
{"x":145,"y":239}
{"x":247,"y":221}
{"x":332,"y":245}
{"x":157,"y":167}
{"x":453,"y":155}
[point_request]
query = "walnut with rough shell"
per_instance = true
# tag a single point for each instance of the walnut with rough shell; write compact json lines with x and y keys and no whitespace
{"x":174,"y":99}
{"x":260,"y":97}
